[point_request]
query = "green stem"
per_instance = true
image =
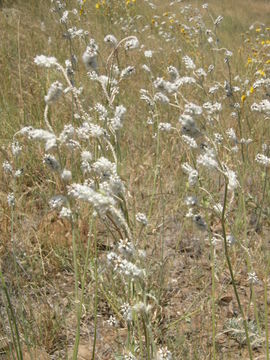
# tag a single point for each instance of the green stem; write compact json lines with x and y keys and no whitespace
{"x":213,"y":300}
{"x":257,"y":227}
{"x":266,"y":309}
{"x":231,"y":270}
{"x":96,"y":295}
{"x":74,"y":248}
{"x":12,"y":321}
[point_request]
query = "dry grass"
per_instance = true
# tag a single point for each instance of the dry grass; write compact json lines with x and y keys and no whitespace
{"x":178,"y":256}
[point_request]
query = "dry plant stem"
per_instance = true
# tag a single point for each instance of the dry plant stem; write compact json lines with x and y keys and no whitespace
{"x":79,"y":314}
{"x":47,"y":120}
{"x":146,"y":336}
{"x":248,"y":261}
{"x":96,"y":293}
{"x":12,"y":242}
{"x":157,"y":169}
{"x":12,"y":320}
{"x":116,"y":48}
{"x":213,"y":295}
{"x":74,"y":248}
{"x":231,"y":270}
{"x":266,"y":312}
{"x":257,"y":227}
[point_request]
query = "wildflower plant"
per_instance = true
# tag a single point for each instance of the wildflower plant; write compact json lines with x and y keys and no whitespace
{"x":155,"y":169}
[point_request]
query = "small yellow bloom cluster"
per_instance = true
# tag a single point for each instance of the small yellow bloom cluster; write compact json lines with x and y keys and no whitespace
{"x":99,"y":4}
{"x":128,"y":2}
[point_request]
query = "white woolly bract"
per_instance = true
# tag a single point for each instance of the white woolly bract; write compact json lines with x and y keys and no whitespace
{"x":54,"y":92}
{"x":100,"y":202}
{"x":46,"y":61}
{"x":111,"y":40}
{"x":263,"y":160}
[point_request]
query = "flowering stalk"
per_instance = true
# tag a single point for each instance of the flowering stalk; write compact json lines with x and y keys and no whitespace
{"x":96,"y":293}
{"x":231,"y":270}
{"x":266,"y":311}
{"x":78,"y":312}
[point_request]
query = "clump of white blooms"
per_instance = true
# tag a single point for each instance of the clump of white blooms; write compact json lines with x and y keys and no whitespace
{"x":46,"y":61}
{"x":164,"y":354}
{"x":57,"y":201}
{"x":11,"y":200}
{"x":189,"y":62}
{"x":190,"y":141}
{"x":148,"y":53}
{"x":90,"y":56}
{"x":124,"y":267}
{"x":54,"y":93}
{"x":253,"y":278}
{"x":111,"y":40}
{"x":51,"y":161}
{"x":16,"y":148}
{"x":166,"y":127}
{"x":132,"y":43}
{"x":126,"y":311}
{"x":129,"y":356}
{"x":66,"y":175}
{"x":65,"y":213}
{"x":208,"y":160}
{"x":263,"y":160}
{"x":193,"y":174}
{"x":141,"y":218}
{"x":112,"y":321}
{"x":100,"y":202}
{"x":7,"y":167}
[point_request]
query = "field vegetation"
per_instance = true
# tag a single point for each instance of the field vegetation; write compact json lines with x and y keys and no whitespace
{"x":134,"y":179}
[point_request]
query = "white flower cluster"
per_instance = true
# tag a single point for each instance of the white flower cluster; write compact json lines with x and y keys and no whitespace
{"x":263,"y":107}
{"x":100,"y":202}
{"x":141,"y":218}
{"x":90,"y":56}
{"x":192,"y":174}
{"x":46,"y":61}
{"x":164,"y":354}
{"x":124,"y":267}
{"x":189,"y":63}
{"x":263,"y":160}
{"x":54,"y":92}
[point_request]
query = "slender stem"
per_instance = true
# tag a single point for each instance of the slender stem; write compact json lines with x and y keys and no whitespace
{"x":257,"y":227}
{"x":12,"y":320}
{"x":96,"y":294}
{"x":231,"y":270}
{"x":74,"y":248}
{"x":213,"y":300}
{"x":266,"y":311}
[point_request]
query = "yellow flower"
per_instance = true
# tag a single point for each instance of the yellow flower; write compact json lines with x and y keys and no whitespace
{"x":97,"y":5}
{"x":261,"y":72}
{"x":243,"y":98}
{"x":182,"y":31}
{"x":267,"y":61}
{"x":263,"y":42}
{"x":249,"y":61}
{"x":258,"y":29}
{"x":171,"y":21}
{"x":251,"y":90}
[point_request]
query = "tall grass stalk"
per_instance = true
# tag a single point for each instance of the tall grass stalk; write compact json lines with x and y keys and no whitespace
{"x":223,"y":222}
{"x":12,"y":320}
